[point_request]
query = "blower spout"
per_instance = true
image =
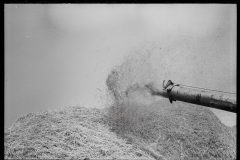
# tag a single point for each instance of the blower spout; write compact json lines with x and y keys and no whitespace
{"x":209,"y":98}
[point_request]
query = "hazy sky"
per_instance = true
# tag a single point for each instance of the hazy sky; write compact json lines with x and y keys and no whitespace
{"x":60,"y":55}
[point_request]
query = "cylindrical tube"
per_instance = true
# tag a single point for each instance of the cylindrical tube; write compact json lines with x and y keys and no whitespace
{"x":208,"y":98}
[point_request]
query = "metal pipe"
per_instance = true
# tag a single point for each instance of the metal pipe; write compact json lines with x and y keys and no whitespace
{"x":213,"y":99}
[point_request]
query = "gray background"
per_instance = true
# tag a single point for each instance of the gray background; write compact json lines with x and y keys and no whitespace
{"x":60,"y":55}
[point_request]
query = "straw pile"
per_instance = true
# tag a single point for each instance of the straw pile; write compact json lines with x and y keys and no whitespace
{"x":72,"y":133}
{"x":157,"y":131}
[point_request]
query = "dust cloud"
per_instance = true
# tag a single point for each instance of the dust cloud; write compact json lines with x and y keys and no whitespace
{"x":151,"y":64}
{"x":127,"y":82}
